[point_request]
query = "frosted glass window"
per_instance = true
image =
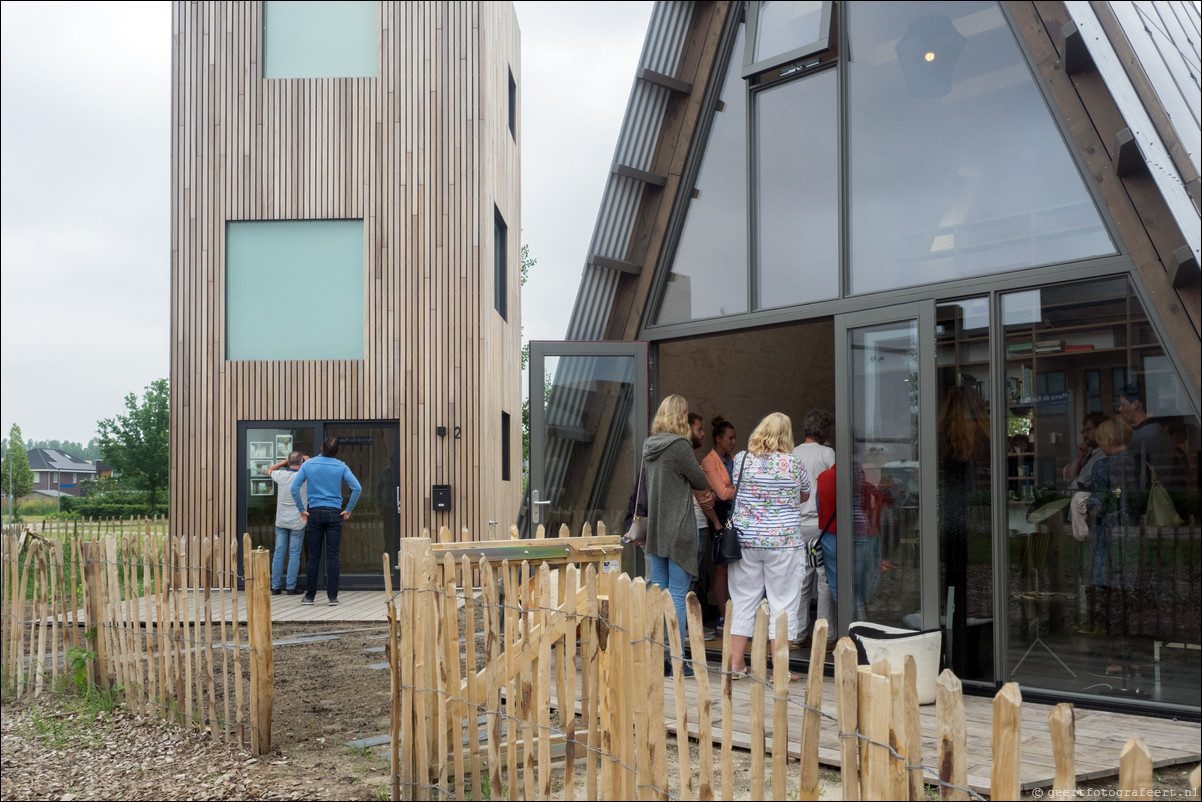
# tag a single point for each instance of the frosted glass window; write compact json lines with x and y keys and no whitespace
{"x":957,"y":166}
{"x":294,"y":289}
{"x":319,"y":39}
{"x":709,"y":269}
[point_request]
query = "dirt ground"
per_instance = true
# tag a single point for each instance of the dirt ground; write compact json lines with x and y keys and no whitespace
{"x":327,"y":694}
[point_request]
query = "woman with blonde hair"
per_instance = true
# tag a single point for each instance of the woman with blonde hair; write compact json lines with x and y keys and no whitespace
{"x":672,"y":476}
{"x":772,"y":484}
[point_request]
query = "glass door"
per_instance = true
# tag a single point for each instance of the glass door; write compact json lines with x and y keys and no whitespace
{"x":370,"y":450}
{"x":887,"y":555}
{"x":588,"y":420}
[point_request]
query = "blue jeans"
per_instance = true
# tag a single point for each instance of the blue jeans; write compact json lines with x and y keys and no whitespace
{"x":828,"y":562}
{"x":668,"y":575}
{"x":290,"y":539}
{"x":325,"y":526}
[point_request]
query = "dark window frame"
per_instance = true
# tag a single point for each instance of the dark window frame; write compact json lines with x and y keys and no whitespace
{"x":500,"y":258}
{"x":506,"y":454}
{"x":513,"y":106}
{"x":824,"y":42}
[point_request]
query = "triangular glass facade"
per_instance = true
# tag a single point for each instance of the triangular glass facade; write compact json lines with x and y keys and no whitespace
{"x":955,"y":167}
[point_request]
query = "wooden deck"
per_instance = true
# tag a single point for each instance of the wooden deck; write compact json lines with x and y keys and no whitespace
{"x":1100,"y":735}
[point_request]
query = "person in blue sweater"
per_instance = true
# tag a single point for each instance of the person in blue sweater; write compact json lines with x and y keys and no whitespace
{"x":323,"y":477}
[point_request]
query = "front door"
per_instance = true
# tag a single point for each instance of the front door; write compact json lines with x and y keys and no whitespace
{"x":588,"y":420}
{"x":887,"y":548}
{"x":370,"y":449}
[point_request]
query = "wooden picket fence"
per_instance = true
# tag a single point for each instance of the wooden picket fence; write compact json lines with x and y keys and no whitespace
{"x":564,"y":663}
{"x":150,"y":625}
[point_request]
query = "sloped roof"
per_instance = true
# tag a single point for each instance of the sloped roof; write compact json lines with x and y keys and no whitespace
{"x":1165,"y":39}
{"x":54,"y":459}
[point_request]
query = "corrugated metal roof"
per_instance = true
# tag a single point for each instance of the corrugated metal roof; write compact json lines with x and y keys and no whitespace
{"x":636,"y":148}
{"x":1165,"y":38}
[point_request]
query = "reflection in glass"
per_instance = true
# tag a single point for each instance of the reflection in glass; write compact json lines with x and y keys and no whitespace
{"x":1096,"y":589}
{"x":797,"y":202}
{"x":785,"y":25}
{"x":885,"y":481}
{"x":370,"y":452}
{"x":262,"y":447}
{"x":709,"y":269}
{"x":588,"y":474}
{"x":964,"y":502}
{"x":973,"y":181}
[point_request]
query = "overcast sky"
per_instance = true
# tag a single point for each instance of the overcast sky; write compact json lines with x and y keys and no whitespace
{"x":85,"y":231}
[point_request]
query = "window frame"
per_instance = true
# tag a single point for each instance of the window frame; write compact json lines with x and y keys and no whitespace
{"x":500,"y":259}
{"x":824,"y":42}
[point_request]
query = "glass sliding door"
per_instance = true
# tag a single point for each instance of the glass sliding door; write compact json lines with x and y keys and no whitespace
{"x":885,"y":495}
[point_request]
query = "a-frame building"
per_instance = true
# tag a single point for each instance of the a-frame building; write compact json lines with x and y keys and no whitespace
{"x":931,"y":220}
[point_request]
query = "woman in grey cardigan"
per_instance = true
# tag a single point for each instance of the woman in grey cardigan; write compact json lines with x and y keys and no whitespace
{"x":672,"y":476}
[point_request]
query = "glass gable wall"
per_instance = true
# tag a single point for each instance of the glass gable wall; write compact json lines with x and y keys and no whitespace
{"x":957,"y":168}
{"x":951,"y":165}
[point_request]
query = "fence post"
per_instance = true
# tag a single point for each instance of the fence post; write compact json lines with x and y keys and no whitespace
{"x":952,"y":738}
{"x":810,"y":718}
{"x":1007,"y":738}
{"x":258,"y":620}
{"x":93,"y":602}
{"x":1135,"y":769}
{"x":846,"y":693}
{"x":1062,"y":724}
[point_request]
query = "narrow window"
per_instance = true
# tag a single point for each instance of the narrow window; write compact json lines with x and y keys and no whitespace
{"x":505,"y":447}
{"x":513,"y":106}
{"x":500,"y":264}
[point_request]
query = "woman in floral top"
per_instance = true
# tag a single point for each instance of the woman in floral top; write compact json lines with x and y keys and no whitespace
{"x":772,"y":484}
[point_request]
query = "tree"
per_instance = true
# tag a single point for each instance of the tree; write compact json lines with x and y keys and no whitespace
{"x":135,"y":444}
{"x":14,"y":469}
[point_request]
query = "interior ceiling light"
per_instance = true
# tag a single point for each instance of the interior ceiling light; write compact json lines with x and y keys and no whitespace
{"x":927,"y":55}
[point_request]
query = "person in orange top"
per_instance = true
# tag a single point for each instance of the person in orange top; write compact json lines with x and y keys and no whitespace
{"x":718,"y":466}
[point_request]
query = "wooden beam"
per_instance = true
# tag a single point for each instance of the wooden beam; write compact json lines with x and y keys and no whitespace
{"x":614,"y":264}
{"x":1128,"y":157}
{"x":1074,"y":51}
{"x":1184,"y":272}
{"x":651,"y":179}
{"x":666,"y":81}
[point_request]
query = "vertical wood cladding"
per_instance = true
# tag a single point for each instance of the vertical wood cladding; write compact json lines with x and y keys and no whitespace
{"x":421,"y":153}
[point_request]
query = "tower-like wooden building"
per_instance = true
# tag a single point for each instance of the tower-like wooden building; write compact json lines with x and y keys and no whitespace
{"x":344,"y":258}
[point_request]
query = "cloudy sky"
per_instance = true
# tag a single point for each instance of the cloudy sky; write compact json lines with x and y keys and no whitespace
{"x":85,"y":232}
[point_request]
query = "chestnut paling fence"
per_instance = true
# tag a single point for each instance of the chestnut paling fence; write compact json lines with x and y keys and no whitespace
{"x":547,"y":663}
{"x":133,"y":611}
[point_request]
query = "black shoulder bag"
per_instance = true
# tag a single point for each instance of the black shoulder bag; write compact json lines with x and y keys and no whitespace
{"x":725,"y":546}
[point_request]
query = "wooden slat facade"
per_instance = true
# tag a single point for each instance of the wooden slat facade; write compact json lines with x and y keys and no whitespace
{"x":422,"y":153}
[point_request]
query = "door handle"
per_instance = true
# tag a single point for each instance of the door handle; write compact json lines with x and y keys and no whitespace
{"x":537,"y":514}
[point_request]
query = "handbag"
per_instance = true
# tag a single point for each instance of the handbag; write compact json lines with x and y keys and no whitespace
{"x":813,"y":549}
{"x":638,"y":524}
{"x":725,"y":548}
{"x":1161,"y":511}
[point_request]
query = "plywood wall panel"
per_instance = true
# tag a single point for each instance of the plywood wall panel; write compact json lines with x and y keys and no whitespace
{"x":421,"y":153}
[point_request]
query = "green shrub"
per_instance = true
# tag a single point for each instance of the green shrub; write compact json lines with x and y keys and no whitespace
{"x":118,"y":504}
